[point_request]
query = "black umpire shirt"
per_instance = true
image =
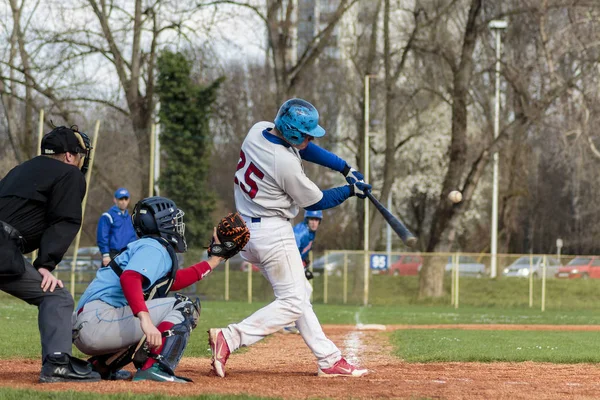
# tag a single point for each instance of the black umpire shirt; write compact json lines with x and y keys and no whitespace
{"x":41,"y":198}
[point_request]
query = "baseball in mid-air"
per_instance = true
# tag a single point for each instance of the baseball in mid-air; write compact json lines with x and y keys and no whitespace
{"x":455,"y":196}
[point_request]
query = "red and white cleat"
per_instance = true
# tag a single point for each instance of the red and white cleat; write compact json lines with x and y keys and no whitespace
{"x":342,"y":368}
{"x":220,"y":351}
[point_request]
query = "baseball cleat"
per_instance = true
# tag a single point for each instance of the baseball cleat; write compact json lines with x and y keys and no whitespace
{"x":342,"y":368}
{"x":157,"y":374}
{"x":107,"y":373}
{"x":64,"y":368}
{"x":220,"y":351}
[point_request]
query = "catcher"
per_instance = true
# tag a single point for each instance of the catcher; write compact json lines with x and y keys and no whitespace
{"x":125,"y":315}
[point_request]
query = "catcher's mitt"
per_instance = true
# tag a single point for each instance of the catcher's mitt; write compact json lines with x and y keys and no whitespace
{"x":233,"y":235}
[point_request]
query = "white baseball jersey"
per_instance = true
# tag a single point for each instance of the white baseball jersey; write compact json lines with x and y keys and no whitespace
{"x":270,"y":180}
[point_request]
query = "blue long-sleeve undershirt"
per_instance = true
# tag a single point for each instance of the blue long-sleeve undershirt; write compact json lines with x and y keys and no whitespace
{"x":318,"y":155}
{"x":331,"y":198}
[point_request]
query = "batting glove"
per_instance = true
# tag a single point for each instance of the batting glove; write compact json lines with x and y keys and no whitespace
{"x":309,"y":275}
{"x":359,"y":189}
{"x":353,"y":176}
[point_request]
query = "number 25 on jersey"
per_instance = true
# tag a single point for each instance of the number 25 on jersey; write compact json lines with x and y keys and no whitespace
{"x":249,"y":184}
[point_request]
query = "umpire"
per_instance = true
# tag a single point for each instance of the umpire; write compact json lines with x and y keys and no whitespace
{"x":40,"y":208}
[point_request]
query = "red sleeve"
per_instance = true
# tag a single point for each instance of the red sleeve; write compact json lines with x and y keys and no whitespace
{"x":132,"y":282}
{"x":187,"y":276}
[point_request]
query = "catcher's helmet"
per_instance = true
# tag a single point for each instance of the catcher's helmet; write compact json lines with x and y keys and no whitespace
{"x":160,"y":216}
{"x":297,"y":118}
{"x":313,"y":214}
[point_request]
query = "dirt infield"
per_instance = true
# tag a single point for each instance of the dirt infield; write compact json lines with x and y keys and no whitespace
{"x":284,"y":367}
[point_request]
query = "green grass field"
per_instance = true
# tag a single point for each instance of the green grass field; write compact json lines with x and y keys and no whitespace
{"x":487,"y":346}
{"x":21,"y":337}
{"x":482,"y":302}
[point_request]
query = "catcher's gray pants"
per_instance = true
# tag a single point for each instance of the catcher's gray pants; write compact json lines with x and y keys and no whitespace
{"x":54,"y":309}
{"x":102,"y":329}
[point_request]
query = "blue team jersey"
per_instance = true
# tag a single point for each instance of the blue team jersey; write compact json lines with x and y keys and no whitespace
{"x":145,"y":256}
{"x":304,"y":239}
{"x":115,"y":230}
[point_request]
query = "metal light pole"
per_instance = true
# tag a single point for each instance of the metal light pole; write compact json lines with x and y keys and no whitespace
{"x":366,"y":203}
{"x":497,"y":26}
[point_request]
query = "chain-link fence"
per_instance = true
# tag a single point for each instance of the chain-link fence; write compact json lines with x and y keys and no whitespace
{"x":351,"y":277}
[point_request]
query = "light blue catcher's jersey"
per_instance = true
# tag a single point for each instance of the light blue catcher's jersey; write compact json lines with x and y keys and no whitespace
{"x":145,"y":256}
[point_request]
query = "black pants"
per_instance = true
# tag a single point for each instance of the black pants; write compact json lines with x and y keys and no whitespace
{"x":54,"y":309}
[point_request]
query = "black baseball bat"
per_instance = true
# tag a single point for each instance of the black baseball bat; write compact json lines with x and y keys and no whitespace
{"x":407,"y":237}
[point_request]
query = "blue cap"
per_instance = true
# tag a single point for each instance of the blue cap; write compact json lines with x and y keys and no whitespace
{"x":121,"y":192}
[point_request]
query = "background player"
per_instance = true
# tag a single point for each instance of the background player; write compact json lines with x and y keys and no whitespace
{"x":115,"y":228}
{"x":270,"y":186}
{"x":305,"y":233}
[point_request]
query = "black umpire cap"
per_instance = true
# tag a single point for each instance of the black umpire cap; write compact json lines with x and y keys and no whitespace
{"x":63,"y":140}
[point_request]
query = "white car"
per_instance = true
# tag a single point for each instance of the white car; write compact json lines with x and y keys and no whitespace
{"x":524,"y":265}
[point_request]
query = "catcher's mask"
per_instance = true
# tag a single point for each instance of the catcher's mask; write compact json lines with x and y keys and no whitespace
{"x":297,"y":118}
{"x":160,"y":216}
{"x":68,"y":140}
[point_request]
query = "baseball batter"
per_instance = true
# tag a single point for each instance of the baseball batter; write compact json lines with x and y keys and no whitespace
{"x":270,"y":188}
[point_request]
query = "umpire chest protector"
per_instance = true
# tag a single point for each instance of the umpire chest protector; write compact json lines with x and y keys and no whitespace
{"x":161,"y":287}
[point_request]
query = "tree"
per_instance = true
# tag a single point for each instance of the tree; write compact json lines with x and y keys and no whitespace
{"x":186,"y":140}
{"x":122,"y":38}
{"x":280,"y":20}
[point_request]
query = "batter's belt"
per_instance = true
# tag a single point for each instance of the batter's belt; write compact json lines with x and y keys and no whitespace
{"x":262,"y":220}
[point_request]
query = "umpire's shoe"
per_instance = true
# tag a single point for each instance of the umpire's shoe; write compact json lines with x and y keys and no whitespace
{"x":65,"y":368}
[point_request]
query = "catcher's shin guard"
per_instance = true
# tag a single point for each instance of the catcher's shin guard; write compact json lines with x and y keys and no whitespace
{"x":176,"y":338}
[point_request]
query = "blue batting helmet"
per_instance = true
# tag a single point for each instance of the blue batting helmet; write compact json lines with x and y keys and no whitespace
{"x":313,"y":214}
{"x":297,"y":118}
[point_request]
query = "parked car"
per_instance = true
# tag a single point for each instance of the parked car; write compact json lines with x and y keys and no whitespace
{"x":87,"y":258}
{"x":407,"y":264}
{"x":580,"y":267}
{"x":521,"y":267}
{"x":467,"y":266}
{"x":334,"y":265}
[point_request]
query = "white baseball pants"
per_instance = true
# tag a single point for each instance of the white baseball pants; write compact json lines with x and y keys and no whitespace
{"x":272,"y":247}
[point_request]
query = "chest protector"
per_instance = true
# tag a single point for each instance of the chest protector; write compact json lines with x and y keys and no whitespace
{"x":162,"y":286}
